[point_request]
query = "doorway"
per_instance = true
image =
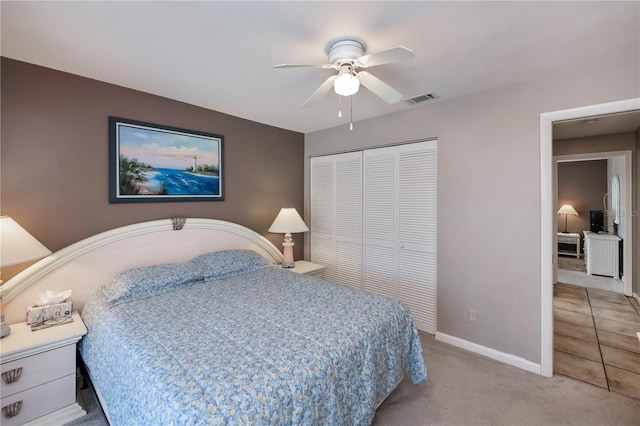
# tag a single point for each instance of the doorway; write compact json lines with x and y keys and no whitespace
{"x":548,"y":215}
{"x":594,"y":321}
{"x":624,"y":167}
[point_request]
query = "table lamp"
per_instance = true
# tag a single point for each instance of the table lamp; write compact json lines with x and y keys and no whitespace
{"x":567,"y":210}
{"x":288,"y":221}
{"x":16,"y":246}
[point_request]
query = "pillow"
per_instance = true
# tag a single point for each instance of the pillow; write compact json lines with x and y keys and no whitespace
{"x":227,"y":263}
{"x":147,"y":281}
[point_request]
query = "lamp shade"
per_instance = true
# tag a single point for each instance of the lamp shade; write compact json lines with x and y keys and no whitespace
{"x":568,"y":209}
{"x":17,"y":245}
{"x":288,"y":221}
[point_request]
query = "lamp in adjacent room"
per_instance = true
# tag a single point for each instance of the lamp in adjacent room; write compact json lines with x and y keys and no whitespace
{"x":567,"y":210}
{"x":288,"y":222}
{"x":16,"y":246}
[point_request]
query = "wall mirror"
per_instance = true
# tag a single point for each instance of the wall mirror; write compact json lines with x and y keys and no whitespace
{"x":615,"y":199}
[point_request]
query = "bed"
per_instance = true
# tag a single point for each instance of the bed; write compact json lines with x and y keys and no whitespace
{"x":200,"y":326}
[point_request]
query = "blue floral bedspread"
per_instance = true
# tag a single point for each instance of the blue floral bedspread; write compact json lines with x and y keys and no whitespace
{"x":266,"y":347}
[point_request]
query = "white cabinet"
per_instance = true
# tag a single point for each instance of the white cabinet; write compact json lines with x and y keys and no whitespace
{"x":373,"y":223}
{"x":602,"y":254}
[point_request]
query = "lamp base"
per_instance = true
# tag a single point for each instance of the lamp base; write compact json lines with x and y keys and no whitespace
{"x":287,"y":260}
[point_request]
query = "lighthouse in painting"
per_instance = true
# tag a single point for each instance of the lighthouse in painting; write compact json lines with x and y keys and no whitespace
{"x":195,"y":163}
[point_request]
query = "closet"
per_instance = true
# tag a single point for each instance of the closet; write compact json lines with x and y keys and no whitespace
{"x":336,"y":217}
{"x":373,"y":223}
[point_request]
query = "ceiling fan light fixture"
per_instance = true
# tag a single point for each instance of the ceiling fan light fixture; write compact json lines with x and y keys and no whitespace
{"x":346,"y":55}
{"x":346,"y":84}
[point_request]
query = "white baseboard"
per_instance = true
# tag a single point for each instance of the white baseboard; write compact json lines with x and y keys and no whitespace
{"x":59,"y":417}
{"x":513,"y":360}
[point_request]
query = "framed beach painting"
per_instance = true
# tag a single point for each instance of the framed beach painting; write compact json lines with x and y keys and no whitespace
{"x":152,"y":163}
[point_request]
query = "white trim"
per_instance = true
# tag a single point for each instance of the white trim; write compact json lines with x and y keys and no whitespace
{"x":547,"y":216}
{"x":59,"y":417}
{"x":510,"y":359}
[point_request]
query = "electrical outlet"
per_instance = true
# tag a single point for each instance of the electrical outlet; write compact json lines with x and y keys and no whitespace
{"x":473,"y":316}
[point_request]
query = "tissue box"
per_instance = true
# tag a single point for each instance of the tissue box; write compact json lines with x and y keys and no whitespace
{"x":45,"y":313}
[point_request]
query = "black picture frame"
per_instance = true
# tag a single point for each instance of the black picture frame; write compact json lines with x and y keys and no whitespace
{"x":155,"y":163}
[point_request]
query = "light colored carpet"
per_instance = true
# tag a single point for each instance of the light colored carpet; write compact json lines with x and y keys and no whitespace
{"x":466,"y":389}
{"x":572,"y":264}
{"x":590,"y":281}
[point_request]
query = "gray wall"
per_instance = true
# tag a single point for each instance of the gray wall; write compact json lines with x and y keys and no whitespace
{"x":488,"y":195}
{"x":55,"y":158}
{"x":581,"y":184}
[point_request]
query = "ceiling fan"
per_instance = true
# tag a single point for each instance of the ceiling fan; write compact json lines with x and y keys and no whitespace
{"x":346,"y":55}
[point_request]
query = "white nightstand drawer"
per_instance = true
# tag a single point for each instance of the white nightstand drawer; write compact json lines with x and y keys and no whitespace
{"x":38,"y":369}
{"x":40,"y":400}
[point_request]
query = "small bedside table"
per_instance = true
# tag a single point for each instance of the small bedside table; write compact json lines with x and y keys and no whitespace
{"x":566,"y":238}
{"x":307,"y":268}
{"x":44,"y":362}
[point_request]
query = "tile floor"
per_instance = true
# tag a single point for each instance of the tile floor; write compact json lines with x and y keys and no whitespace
{"x":595,"y":338}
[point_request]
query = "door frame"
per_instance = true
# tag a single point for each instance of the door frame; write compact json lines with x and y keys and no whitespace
{"x":548,"y":220}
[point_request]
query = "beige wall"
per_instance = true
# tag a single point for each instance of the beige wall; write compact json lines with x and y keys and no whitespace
{"x":55,"y":158}
{"x":488,"y":196}
{"x":581,"y":184}
{"x":606,"y":143}
{"x":636,"y":213}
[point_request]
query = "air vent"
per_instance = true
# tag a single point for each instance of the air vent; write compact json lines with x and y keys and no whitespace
{"x":421,"y":98}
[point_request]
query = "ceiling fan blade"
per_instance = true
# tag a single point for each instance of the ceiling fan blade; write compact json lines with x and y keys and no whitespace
{"x":396,"y":54}
{"x":320,"y":91}
{"x":304,"y":66}
{"x":379,"y":87}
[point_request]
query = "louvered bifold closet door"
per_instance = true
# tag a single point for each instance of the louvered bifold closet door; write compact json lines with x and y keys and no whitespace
{"x":416,"y":278}
{"x":322,"y":244}
{"x":336,"y":217}
{"x":379,"y":220}
{"x":348,"y":219}
{"x":373,"y":223}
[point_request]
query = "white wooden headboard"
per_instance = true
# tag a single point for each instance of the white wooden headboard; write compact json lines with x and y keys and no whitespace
{"x":85,"y":266}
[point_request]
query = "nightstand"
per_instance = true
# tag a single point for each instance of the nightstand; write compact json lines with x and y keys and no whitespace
{"x":565,"y":239}
{"x":307,"y":268}
{"x":39,"y":374}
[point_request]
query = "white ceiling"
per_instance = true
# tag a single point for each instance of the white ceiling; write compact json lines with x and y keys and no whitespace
{"x":219,"y":55}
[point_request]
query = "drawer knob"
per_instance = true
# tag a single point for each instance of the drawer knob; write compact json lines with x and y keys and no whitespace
{"x":12,"y":376}
{"x":12,"y":410}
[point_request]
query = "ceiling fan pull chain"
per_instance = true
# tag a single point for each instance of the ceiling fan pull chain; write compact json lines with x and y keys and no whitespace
{"x":351,"y":112}
{"x":339,"y":106}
